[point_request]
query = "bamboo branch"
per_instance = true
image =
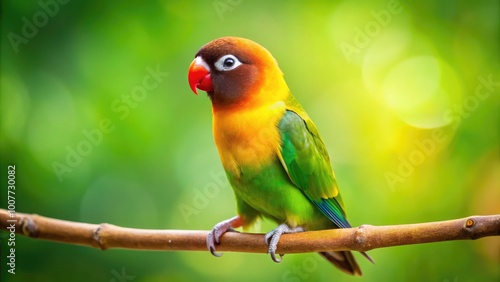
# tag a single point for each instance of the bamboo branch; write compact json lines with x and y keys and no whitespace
{"x":363,"y":238}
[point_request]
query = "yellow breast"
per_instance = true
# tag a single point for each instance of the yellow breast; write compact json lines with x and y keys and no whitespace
{"x":248,"y":137}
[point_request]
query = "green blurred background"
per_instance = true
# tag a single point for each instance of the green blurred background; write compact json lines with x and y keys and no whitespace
{"x":405,"y":94}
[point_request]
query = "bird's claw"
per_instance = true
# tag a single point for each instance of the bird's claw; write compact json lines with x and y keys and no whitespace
{"x":214,"y":235}
{"x":275,"y":259}
{"x":272,"y":238}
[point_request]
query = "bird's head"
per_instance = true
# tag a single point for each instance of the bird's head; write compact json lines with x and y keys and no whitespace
{"x":233,"y":70}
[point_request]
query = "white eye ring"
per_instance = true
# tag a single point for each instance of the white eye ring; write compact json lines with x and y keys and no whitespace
{"x":227,"y":63}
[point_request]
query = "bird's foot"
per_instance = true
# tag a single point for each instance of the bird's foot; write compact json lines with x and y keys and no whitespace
{"x":218,"y":230}
{"x":273,"y":236}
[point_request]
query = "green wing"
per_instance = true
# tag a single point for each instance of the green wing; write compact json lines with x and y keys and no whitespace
{"x":306,"y":161}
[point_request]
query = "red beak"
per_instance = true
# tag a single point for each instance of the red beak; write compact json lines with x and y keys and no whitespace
{"x":199,"y":76}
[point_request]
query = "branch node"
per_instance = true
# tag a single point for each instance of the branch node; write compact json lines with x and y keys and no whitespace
{"x":29,"y":227}
{"x":469,"y":223}
{"x":360,"y":235}
{"x":97,"y":237}
{"x":470,"y":226}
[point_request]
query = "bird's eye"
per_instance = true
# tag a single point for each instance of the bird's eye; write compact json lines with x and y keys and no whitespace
{"x":227,"y":63}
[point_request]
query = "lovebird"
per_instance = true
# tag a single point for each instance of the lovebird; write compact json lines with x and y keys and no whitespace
{"x":270,"y":149}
